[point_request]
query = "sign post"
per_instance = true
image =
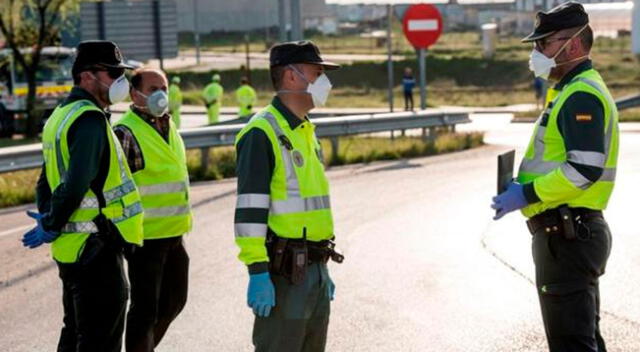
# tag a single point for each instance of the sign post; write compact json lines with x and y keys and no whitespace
{"x":422,"y":25}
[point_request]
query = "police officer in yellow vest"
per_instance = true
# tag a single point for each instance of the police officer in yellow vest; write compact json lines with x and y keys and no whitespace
{"x":159,"y":270}
{"x":283,"y":221}
{"x":565,"y":180}
{"x":175,"y":101}
{"x":212,"y":95}
{"x":89,"y":206}
{"x":246,"y":97}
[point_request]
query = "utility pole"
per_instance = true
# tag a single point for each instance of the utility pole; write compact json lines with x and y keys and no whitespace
{"x":282,"y":21}
{"x":635,"y":27}
{"x":296,"y":20}
{"x":196,"y":31}
{"x":157,"y":31}
{"x":248,"y":62}
{"x":389,"y":56}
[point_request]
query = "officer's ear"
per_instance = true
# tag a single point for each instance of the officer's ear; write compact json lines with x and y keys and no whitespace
{"x":574,"y":48}
{"x":288,"y":77}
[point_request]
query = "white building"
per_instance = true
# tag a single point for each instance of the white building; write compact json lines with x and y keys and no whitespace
{"x":244,"y":15}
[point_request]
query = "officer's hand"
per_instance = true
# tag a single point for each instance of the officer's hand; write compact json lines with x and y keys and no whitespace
{"x":38,"y":235}
{"x":31,"y":239}
{"x":261,"y":295}
{"x":509,"y":200}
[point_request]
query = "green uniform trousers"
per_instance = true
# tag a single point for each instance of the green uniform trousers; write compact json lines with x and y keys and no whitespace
{"x":567,"y":273}
{"x":300,"y":319}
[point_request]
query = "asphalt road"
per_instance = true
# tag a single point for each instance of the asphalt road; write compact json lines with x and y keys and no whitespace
{"x":426,"y":269}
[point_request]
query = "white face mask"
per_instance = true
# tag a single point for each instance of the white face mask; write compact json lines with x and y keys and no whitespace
{"x":319,"y":90}
{"x":118,"y":90}
{"x":541,"y":65}
{"x":157,"y":102}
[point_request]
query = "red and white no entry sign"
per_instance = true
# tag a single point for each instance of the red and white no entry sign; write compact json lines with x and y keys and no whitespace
{"x":422,"y":25}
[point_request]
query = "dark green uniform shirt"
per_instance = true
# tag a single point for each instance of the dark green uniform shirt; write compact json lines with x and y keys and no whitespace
{"x":577,"y":135}
{"x":88,"y":166}
{"x":254,"y":167}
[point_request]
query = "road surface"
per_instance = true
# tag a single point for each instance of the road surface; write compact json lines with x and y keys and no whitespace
{"x":426,"y":268}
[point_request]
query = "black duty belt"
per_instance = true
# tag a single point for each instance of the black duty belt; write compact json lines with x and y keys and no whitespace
{"x":561,"y":220}
{"x":290,"y":257}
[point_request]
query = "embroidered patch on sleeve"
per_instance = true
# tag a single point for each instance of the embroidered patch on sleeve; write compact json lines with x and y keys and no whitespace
{"x":583,"y":117}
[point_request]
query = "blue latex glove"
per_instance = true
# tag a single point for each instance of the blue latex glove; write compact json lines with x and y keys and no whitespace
{"x":261,"y":295}
{"x":509,"y":200}
{"x":38,"y":235}
{"x":331,"y":289}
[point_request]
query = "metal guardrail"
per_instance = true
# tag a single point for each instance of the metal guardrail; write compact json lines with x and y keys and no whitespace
{"x":30,"y":156}
{"x":628,"y":102}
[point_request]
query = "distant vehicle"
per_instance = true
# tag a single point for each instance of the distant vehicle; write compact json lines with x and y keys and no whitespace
{"x":54,"y":82}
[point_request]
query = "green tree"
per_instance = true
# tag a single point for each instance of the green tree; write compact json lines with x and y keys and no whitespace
{"x":33,"y":24}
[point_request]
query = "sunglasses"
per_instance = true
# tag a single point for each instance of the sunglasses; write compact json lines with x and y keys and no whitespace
{"x":112,"y":72}
{"x":544,"y":43}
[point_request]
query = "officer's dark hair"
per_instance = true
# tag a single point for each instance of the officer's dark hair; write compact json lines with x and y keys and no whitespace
{"x":276,"y":75}
{"x":586,"y":38}
{"x":136,"y":79}
{"x":76,"y":75}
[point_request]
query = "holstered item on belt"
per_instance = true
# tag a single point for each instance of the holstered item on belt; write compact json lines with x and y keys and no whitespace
{"x":276,"y":256}
{"x":109,"y":233}
{"x":290,"y":257}
{"x":569,"y":222}
{"x":299,"y":259}
{"x":566,"y":219}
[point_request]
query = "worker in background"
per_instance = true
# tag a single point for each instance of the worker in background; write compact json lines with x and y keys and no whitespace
{"x":89,"y":207}
{"x":408,"y":83}
{"x":158,"y":271}
{"x":175,"y":101}
{"x":212,"y":95}
{"x":246,"y":97}
{"x":283,"y":219}
{"x":566,"y":179}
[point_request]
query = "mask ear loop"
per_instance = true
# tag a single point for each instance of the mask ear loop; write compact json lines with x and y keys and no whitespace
{"x":301,"y":91}
{"x":567,"y":43}
{"x":143,"y":108}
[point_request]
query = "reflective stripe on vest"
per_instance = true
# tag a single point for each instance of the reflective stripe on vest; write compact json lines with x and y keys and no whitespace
{"x":293,"y":186}
{"x":91,"y":227}
{"x":253,"y":200}
{"x":245,"y":229}
{"x":90,"y":202}
{"x":162,"y":188}
{"x":62,"y":170}
{"x":539,"y":166}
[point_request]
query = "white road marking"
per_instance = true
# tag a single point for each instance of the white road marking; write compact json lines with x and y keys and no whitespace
{"x":15,"y":230}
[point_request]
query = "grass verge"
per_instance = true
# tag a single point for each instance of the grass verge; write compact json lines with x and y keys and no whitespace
{"x":18,"y":187}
